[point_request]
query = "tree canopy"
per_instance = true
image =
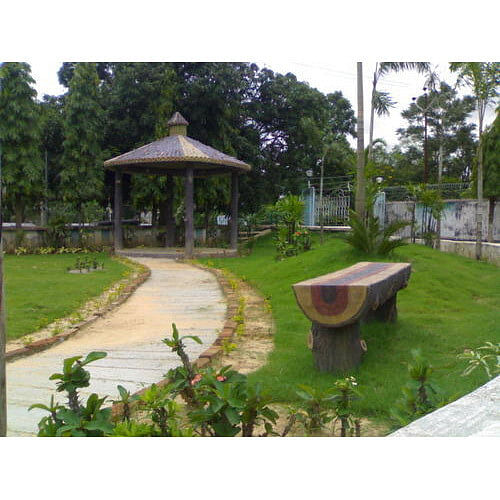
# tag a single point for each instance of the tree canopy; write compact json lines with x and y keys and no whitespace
{"x":20,"y":137}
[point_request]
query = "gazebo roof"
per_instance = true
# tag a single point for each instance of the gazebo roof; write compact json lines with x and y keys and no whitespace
{"x":174,"y":153}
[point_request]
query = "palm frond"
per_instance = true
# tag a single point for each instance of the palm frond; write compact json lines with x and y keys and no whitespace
{"x":382,"y":102}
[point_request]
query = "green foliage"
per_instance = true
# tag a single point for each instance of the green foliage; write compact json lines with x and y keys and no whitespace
{"x":76,"y":420}
{"x":433,"y":206}
{"x":345,"y":393}
{"x":369,"y":238}
{"x":20,"y":138}
{"x":419,"y":395}
{"x":290,"y":238}
{"x":482,"y":357}
{"x":82,"y":176}
{"x":315,"y":410}
{"x":319,"y":407}
{"x":447,"y":125}
{"x":491,"y":159}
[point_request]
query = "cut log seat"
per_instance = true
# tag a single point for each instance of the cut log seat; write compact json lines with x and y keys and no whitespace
{"x":337,"y":302}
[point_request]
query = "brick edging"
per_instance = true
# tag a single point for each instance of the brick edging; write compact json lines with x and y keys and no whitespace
{"x":215,"y":350}
{"x":42,"y":344}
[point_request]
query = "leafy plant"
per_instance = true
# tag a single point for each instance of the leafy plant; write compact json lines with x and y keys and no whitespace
{"x":369,"y":238}
{"x":346,"y":393}
{"x":482,"y":357}
{"x":75,"y":419}
{"x":419,"y":395}
{"x":316,"y":407}
{"x":290,"y":238}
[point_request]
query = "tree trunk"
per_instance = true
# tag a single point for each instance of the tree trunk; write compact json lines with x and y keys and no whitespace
{"x":479,"y":208}
{"x":189,"y":220}
{"x":19,"y":210}
{"x":372,"y":113}
{"x":361,"y":181}
{"x":491,"y":218}
{"x":336,"y":349}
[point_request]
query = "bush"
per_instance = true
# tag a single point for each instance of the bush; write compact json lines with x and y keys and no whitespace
{"x":290,"y":238}
{"x":369,"y":238}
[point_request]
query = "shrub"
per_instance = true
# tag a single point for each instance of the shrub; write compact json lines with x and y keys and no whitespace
{"x":369,"y":238}
{"x":419,"y":395}
{"x":290,"y":237}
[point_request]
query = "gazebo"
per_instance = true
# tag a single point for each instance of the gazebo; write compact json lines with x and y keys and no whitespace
{"x":176,"y":155}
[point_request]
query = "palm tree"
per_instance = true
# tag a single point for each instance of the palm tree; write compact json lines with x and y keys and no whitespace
{"x":483,"y":78}
{"x":381,"y":102}
{"x":360,"y":177}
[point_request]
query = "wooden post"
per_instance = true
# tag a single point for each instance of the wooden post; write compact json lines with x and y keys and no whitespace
{"x":118,"y":230}
{"x":234,"y":211}
{"x":3,"y":333}
{"x":336,"y":349}
{"x":188,"y":202}
{"x":170,"y":220}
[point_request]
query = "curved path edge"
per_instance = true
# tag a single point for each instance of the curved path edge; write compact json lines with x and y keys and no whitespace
{"x":46,"y":343}
{"x":215,"y":350}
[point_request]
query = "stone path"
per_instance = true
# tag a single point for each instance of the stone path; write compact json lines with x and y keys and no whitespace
{"x":131,"y":335}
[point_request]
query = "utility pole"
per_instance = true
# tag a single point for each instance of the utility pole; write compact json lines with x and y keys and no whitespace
{"x":3,"y":334}
{"x":45,"y":207}
{"x":360,"y":177}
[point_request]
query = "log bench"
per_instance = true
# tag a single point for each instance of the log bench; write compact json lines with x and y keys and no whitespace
{"x":337,"y":302}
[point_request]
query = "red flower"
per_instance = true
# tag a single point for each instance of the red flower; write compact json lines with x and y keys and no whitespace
{"x":221,"y":378}
{"x":196,"y":379}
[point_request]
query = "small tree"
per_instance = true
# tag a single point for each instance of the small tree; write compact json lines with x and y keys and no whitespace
{"x":20,"y":137}
{"x":483,"y":78}
{"x":491,"y":166}
{"x":82,"y":174}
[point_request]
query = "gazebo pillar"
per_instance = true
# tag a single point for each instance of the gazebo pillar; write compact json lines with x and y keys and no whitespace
{"x":170,"y":220}
{"x":234,"y":211}
{"x":189,"y":207}
{"x":117,"y":211}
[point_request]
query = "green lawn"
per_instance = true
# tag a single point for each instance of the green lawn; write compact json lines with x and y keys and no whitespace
{"x":451,"y":303}
{"x":39,"y":290}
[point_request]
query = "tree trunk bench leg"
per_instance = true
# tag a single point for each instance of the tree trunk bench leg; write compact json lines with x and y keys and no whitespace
{"x":387,"y":311}
{"x":336,"y":349}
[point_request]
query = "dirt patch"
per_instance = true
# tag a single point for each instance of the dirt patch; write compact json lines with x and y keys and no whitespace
{"x":254,"y":337}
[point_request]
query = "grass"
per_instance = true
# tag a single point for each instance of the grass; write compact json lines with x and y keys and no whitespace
{"x":39,"y":289}
{"x":452,"y":303}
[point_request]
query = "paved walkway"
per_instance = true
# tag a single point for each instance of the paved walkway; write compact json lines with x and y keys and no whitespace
{"x":131,"y":335}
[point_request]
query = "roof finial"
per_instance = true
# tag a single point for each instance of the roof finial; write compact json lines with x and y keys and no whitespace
{"x":177,"y":125}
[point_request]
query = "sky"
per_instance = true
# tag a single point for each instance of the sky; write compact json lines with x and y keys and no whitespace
{"x":326,"y":76}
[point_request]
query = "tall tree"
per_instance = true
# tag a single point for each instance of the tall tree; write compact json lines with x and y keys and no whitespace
{"x":448,"y":128}
{"x":51,"y":144}
{"x":20,"y":136}
{"x":381,"y":102}
{"x":483,"y":78}
{"x":491,"y":165}
{"x":82,"y":174}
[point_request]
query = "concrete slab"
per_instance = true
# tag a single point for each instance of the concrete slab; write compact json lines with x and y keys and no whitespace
{"x":474,"y":415}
